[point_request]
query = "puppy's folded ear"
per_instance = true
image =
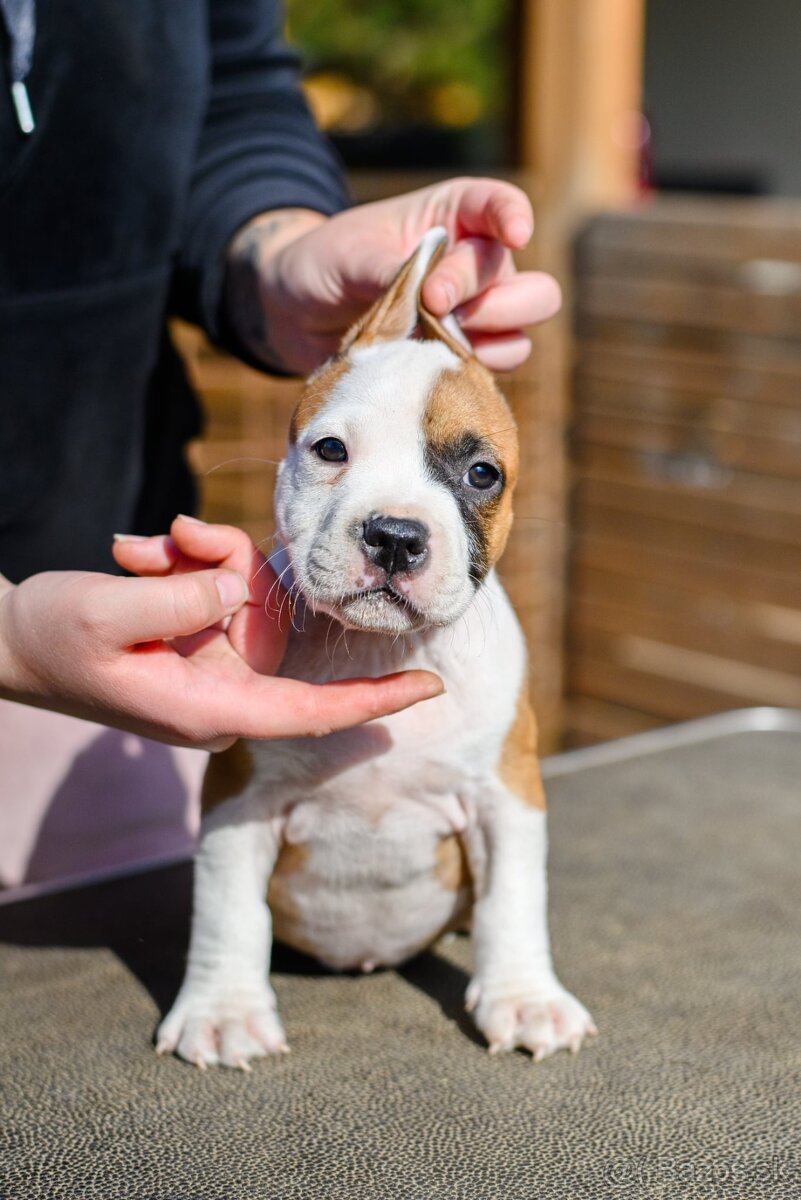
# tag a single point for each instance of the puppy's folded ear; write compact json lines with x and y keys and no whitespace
{"x":399,"y":312}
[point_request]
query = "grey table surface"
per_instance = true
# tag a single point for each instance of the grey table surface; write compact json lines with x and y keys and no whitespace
{"x":676,"y":913}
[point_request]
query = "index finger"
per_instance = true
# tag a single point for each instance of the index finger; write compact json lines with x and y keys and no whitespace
{"x":491,"y":208}
{"x":194,"y":545}
{"x":288,"y":708}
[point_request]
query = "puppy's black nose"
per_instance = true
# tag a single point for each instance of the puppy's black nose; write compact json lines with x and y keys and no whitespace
{"x":395,"y":543}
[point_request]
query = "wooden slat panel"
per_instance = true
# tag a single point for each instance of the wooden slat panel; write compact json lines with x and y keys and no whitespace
{"x":685,"y":574}
{"x":687,"y":477}
{"x":752,"y":617}
{"x":737,"y":682}
{"x":714,"y":632}
{"x":697,"y":229}
{"x":649,"y":692}
{"x":736,"y":372}
{"x":730,"y":579}
{"x":588,"y":721}
{"x":723,"y":510}
{"x":711,"y":411}
{"x":703,"y":307}
{"x":755,"y":276}
{"x":710,"y":547}
{"x":673,"y":339}
{"x":668,"y":439}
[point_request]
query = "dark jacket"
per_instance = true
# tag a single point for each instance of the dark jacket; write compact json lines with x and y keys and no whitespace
{"x":161,"y":127}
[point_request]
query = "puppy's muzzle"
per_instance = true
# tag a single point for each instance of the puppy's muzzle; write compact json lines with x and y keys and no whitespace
{"x":398,"y":545}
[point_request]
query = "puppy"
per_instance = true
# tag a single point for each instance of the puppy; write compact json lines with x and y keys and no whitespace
{"x":393,"y":504}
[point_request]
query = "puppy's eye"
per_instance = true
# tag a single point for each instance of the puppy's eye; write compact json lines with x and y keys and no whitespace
{"x":331,"y":449}
{"x":482,"y":476}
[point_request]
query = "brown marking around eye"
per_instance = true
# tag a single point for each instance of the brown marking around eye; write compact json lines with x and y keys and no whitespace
{"x":315,"y":394}
{"x":464,"y":402}
{"x":518,"y":767}
{"x":227,"y":776}
{"x":450,"y":864}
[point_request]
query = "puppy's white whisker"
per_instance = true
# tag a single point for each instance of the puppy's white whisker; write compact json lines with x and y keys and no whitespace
{"x":329,"y":655}
{"x":292,"y":609}
{"x":541,"y":520}
{"x":277,"y":581}
{"x":276,"y":584}
{"x":229,"y":462}
{"x":288,"y":600}
{"x":268,"y":562}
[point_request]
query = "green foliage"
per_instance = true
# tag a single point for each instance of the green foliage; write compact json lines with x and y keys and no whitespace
{"x":402,"y":49}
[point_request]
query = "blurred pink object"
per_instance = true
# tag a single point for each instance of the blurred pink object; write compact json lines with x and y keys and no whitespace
{"x":77,"y":798}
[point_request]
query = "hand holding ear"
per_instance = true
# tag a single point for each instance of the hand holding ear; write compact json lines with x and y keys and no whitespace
{"x":184,"y":655}
{"x":296,"y":281}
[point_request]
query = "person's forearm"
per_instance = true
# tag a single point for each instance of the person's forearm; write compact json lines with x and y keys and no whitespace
{"x":249,"y":254}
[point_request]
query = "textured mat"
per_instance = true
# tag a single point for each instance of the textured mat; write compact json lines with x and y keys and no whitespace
{"x":676,"y":917}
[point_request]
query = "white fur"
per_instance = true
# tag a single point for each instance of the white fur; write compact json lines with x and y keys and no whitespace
{"x":376,"y":410}
{"x":369,"y":807}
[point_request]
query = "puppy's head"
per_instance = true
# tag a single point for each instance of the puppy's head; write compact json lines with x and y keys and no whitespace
{"x":395,"y":497}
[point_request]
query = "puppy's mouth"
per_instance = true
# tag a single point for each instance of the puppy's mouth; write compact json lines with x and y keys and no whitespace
{"x":385,"y":592}
{"x":381,"y":609}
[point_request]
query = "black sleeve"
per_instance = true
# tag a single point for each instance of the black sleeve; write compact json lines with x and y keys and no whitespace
{"x":258,"y":150}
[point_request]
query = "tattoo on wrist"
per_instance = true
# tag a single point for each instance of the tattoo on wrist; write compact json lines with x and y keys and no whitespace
{"x":243,"y":283}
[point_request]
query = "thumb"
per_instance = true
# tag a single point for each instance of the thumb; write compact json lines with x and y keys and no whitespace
{"x":148,"y":610}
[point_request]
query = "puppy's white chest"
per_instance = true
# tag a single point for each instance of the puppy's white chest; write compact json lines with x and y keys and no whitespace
{"x":375,"y":817}
{"x":426,"y":755}
{"x":369,"y":884}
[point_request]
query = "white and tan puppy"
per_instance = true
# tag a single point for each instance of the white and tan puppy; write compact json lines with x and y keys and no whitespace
{"x":361,"y":848}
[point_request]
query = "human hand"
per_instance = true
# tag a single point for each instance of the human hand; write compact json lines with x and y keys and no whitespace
{"x":159,"y":657}
{"x":296,"y":281}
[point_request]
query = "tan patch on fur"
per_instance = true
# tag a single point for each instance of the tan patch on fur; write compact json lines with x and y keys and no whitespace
{"x":519,"y":768}
{"x":292,"y":857}
{"x":450,"y":864}
{"x":315,"y":394}
{"x":227,"y":775}
{"x":286,"y":917}
{"x":467,"y":400}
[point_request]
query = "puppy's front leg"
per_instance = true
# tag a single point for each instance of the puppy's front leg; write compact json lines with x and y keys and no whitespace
{"x":514,"y":995}
{"x":225,"y":1011}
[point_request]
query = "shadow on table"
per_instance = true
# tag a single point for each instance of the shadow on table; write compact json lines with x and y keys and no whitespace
{"x":446,"y":983}
{"x":144,"y":920}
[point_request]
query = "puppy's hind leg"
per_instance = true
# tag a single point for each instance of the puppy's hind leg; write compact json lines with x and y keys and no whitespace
{"x":225,"y":1011}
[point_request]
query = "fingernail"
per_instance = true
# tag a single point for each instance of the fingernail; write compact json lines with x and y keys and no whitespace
{"x":520,"y":231}
{"x":435,"y":687}
{"x":129,"y":537}
{"x":194,"y":520}
{"x":450,"y":295}
{"x":232,"y":589}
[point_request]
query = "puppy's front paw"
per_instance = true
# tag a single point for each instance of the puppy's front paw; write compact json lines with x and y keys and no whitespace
{"x":227,"y":1028}
{"x":541,"y":1020}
